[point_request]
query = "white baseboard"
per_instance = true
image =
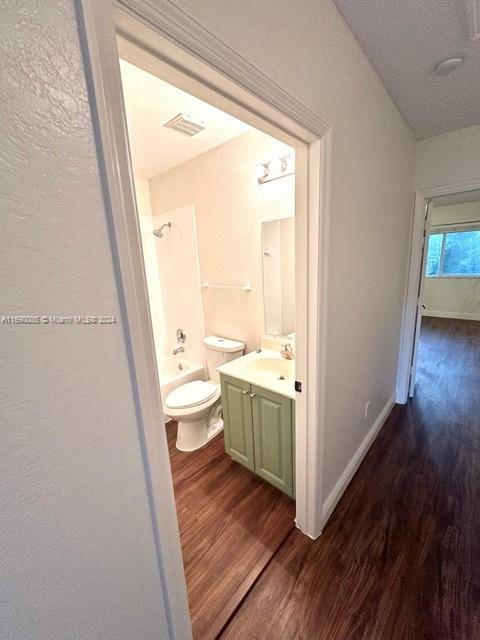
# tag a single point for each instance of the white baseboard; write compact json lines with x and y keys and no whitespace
{"x":344,"y":480}
{"x":451,"y":314}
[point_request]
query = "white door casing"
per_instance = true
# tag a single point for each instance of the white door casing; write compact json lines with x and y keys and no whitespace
{"x":421,"y":287}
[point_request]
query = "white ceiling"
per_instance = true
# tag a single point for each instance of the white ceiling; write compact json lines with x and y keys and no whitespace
{"x":149,"y":104}
{"x":404,"y":40}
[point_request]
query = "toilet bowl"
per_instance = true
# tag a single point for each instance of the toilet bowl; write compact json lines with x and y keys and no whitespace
{"x":197,"y":409}
{"x":197,"y":405}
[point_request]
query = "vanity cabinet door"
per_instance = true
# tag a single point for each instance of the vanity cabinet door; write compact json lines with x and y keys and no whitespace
{"x":237,"y":419}
{"x":273,"y":435}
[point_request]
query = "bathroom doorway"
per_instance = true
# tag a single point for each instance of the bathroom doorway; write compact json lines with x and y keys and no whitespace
{"x":216,"y":209}
{"x":240,"y":93}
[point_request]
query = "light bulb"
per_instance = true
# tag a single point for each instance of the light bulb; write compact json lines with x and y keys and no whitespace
{"x":261,"y":170}
{"x":276,"y":166}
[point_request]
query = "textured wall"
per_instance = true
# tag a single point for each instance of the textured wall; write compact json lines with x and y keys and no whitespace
{"x":229,"y":206}
{"x":77,"y":558}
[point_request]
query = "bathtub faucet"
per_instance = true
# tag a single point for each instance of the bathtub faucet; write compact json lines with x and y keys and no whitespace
{"x":178,"y":349}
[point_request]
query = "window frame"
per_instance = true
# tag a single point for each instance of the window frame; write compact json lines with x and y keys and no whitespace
{"x":441,"y":275}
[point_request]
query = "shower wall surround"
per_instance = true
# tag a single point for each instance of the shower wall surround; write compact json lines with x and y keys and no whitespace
{"x":179,"y":275}
{"x":152,"y":275}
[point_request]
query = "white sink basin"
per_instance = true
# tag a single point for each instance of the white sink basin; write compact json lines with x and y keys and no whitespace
{"x":276,"y":368}
{"x":265,"y":369}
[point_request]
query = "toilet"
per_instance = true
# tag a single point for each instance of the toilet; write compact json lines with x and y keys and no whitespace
{"x":197,"y":405}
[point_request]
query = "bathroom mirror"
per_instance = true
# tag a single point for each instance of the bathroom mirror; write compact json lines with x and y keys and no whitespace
{"x":278,"y":256}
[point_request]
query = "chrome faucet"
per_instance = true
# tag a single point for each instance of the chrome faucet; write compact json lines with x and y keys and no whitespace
{"x":179,"y":349}
{"x":181,"y":337}
{"x":287,"y":351}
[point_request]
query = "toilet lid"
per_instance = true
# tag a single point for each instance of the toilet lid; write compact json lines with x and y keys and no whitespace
{"x":191,"y":394}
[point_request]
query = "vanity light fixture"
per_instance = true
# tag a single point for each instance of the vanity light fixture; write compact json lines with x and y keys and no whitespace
{"x":274,"y":169}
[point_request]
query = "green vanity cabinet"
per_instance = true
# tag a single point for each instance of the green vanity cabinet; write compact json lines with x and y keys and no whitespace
{"x":273,"y":438}
{"x":237,"y":414}
{"x":259,"y":431}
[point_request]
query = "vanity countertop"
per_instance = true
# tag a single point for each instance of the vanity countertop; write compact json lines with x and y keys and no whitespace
{"x":266,"y":369}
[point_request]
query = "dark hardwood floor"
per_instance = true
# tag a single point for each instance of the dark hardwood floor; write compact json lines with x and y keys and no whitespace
{"x":231,"y":523}
{"x":400,"y":557}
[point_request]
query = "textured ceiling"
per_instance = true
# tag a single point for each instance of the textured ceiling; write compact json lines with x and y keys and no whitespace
{"x":149,"y":104}
{"x":404,"y":40}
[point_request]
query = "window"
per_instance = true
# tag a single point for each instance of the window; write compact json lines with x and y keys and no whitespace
{"x":434,"y":252}
{"x":454,"y":254}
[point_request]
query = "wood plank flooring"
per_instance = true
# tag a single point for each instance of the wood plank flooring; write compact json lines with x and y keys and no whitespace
{"x":231,"y":523}
{"x":400,"y":557}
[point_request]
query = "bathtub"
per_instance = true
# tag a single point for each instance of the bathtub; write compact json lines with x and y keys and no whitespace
{"x":174,"y":372}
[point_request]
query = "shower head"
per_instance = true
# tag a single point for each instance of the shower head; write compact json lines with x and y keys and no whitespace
{"x":159,"y":232}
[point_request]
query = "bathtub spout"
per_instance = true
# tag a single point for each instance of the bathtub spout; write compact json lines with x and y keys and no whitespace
{"x":178,"y":349}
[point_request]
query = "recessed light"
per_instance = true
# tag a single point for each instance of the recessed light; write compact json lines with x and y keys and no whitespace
{"x":448,"y":65}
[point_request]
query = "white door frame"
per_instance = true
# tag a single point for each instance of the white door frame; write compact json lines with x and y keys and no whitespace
{"x":407,"y":341}
{"x":420,"y":291}
{"x":218,"y":75}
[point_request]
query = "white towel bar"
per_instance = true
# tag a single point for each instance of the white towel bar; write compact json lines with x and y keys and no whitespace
{"x":244,"y":287}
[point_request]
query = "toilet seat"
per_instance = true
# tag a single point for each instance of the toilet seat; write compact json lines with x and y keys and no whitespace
{"x":191,"y":394}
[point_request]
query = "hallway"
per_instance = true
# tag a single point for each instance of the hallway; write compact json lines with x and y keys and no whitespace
{"x":399,"y":557}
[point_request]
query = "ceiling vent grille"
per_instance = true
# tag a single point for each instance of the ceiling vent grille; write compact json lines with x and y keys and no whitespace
{"x":185,"y":125}
{"x":473,"y":19}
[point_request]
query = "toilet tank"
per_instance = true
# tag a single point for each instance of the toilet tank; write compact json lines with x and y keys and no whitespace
{"x":219,"y":351}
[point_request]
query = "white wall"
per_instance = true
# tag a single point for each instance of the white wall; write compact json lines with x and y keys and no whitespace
{"x":309,"y":51}
{"x":448,"y":159}
{"x":77,"y":555}
{"x":230,"y":206}
{"x":453,"y":297}
{"x":452,"y":158}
